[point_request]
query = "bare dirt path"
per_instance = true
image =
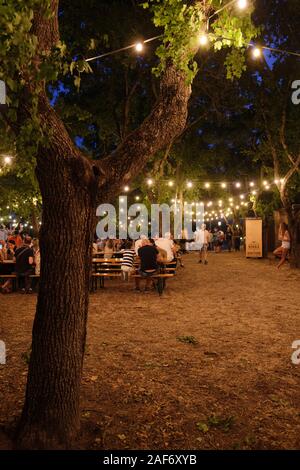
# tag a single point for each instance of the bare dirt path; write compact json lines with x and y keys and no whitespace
{"x":143,"y":388}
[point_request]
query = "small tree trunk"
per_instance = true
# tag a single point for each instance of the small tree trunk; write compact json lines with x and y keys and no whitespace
{"x":293,"y":223}
{"x":51,"y":417}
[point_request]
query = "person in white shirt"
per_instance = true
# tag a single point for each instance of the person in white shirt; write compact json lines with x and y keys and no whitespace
{"x":202,"y":241}
{"x":138,"y":243}
{"x":166,"y":244}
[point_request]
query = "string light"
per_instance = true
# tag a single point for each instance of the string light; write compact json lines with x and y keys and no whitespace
{"x":203,"y":39}
{"x":189,"y":184}
{"x":237,"y":185}
{"x":126,"y":189}
{"x":207,"y":185}
{"x":171,"y":183}
{"x":242,"y":4}
{"x":150,"y":182}
{"x":7,"y":160}
{"x":251,"y":184}
{"x":257,"y":52}
{"x":137,"y":198}
{"x":139,"y":47}
{"x":223,"y":185}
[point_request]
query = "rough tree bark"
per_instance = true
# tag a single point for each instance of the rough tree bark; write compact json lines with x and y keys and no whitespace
{"x":72,"y":186}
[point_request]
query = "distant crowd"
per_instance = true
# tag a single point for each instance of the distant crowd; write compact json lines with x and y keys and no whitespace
{"x":18,"y":248}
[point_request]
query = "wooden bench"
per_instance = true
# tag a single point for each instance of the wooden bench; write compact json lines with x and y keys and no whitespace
{"x":161,"y":280}
{"x":101,"y":276}
{"x":111,"y":269}
{"x":14,"y":278}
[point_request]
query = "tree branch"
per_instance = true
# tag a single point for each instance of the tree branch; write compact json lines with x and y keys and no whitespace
{"x":282,"y":135}
{"x":164,"y":123}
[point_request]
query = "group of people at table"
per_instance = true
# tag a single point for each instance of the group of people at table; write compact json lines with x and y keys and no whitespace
{"x":20,"y":255}
{"x":150,"y":253}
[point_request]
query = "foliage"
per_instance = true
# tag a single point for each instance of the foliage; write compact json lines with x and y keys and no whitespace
{"x":188,"y":339}
{"x":182,"y":22}
{"x":218,"y":422}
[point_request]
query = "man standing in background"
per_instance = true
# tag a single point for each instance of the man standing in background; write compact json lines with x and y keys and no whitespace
{"x":202,"y":240}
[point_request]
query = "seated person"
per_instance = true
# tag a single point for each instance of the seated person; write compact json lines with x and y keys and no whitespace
{"x":127,"y":267}
{"x":24,"y":265}
{"x":166,"y":244}
{"x":109,"y":248}
{"x":148,"y":256}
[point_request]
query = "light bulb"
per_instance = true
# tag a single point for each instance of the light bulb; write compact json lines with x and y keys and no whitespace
{"x":242,"y":4}
{"x":256,"y":52}
{"x":139,"y":47}
{"x":7,"y":160}
{"x":203,"y":39}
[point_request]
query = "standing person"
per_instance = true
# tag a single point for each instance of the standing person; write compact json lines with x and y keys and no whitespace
{"x":228,"y":237}
{"x":237,"y":238}
{"x":214,"y":240}
{"x":220,"y":241}
{"x":127,"y":267}
{"x":202,"y":240}
{"x":283,"y":250}
{"x":148,"y":255}
{"x":24,"y":265}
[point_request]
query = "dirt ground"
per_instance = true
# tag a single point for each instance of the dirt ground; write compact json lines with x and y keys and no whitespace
{"x":205,"y":366}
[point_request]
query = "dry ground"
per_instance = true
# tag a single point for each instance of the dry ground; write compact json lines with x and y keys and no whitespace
{"x":143,"y":388}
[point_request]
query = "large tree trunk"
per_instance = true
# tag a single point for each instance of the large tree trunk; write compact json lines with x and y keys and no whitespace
{"x":51,"y":415}
{"x":71,"y":185}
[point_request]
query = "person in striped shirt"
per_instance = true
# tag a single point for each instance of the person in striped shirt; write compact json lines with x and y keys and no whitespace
{"x":128,"y":259}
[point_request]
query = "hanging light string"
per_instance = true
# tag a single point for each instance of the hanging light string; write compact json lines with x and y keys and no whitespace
{"x":138,"y":46}
{"x":203,"y":40}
